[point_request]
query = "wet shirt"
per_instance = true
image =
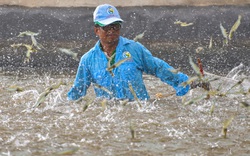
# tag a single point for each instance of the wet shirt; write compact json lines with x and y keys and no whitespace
{"x":93,"y":69}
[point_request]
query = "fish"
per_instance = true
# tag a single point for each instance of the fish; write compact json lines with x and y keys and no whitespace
{"x":68,"y":151}
{"x":88,"y":101}
{"x":199,"y":49}
{"x":124,"y":102}
{"x":175,"y":71}
{"x":41,"y":98}
{"x":32,"y":35}
{"x":134,"y":94}
{"x":48,"y":90}
{"x":117,"y":64}
{"x":226,"y":123}
{"x":111,"y":57}
{"x":104,"y":104}
{"x":215,"y":92}
{"x":79,"y":100}
{"x":234,"y":27}
{"x":192,"y":101}
{"x":27,"y":33}
{"x":212,"y":109}
{"x":109,"y":62}
{"x":224,"y":34}
{"x":213,"y":79}
{"x":14,"y":88}
{"x":140,"y":36}
{"x":70,"y":53}
{"x":235,"y":85}
{"x":55,"y":86}
{"x":195,"y":68}
{"x":27,"y":46}
{"x":183,"y":99}
{"x":30,"y":49}
{"x":235,"y":71}
{"x":183,"y":24}
{"x":85,"y":107}
{"x":189,"y":81}
{"x":210,"y":43}
{"x":244,"y":104}
{"x":16,"y":45}
{"x":82,"y":98}
{"x":36,"y":44}
{"x":103,"y":88}
{"x":27,"y":59}
{"x":132,"y":130}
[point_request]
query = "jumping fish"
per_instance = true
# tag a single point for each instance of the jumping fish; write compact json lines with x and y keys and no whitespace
{"x":234,"y":27}
{"x":183,"y":24}
{"x":190,"y":80}
{"x":235,"y":85}
{"x":70,"y":53}
{"x":134,"y":94}
{"x":32,"y":35}
{"x":132,"y":130}
{"x":36,"y":44}
{"x":140,"y":36}
{"x":199,"y":49}
{"x":175,"y":71}
{"x":210,"y":43}
{"x":14,"y":88}
{"x":244,"y":104}
{"x":41,"y":98}
{"x":27,"y":33}
{"x":55,"y":86}
{"x":212,"y":109}
{"x":30,"y":49}
{"x":192,"y":101}
{"x":48,"y":90}
{"x":117,"y":64}
{"x":68,"y":151}
{"x":195,"y":68}
{"x":104,"y":104}
{"x":124,"y":102}
{"x":224,"y":33}
{"x":87,"y":100}
{"x":215,"y":92}
{"x":110,"y":58}
{"x":226,"y":123}
{"x":103,"y":88}
{"x":109,"y":62}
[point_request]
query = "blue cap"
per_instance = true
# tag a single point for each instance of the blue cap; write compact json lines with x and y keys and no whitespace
{"x":106,"y":14}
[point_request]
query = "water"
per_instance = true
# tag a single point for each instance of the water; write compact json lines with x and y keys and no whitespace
{"x":162,"y":126}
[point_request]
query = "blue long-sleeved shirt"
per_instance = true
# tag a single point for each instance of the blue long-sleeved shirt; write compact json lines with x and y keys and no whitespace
{"x":93,"y":65}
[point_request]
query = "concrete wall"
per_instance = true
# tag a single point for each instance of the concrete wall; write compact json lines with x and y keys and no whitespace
{"x":72,"y":28}
{"x":89,"y":3}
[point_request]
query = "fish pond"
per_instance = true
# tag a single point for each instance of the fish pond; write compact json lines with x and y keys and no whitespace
{"x":164,"y":125}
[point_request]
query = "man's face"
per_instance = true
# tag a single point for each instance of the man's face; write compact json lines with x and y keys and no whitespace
{"x":109,"y":33}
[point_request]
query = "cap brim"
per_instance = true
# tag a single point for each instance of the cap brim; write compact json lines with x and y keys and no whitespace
{"x":109,"y":21}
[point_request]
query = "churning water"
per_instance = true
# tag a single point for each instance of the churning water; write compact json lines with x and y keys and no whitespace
{"x":162,"y":126}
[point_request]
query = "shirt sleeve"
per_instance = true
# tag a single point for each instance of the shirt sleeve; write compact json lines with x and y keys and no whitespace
{"x":159,"y":68}
{"x":81,"y":83}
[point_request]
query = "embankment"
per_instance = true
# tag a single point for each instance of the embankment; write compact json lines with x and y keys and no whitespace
{"x":72,"y":27}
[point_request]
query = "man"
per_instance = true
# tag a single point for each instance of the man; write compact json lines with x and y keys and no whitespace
{"x":98,"y":65}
